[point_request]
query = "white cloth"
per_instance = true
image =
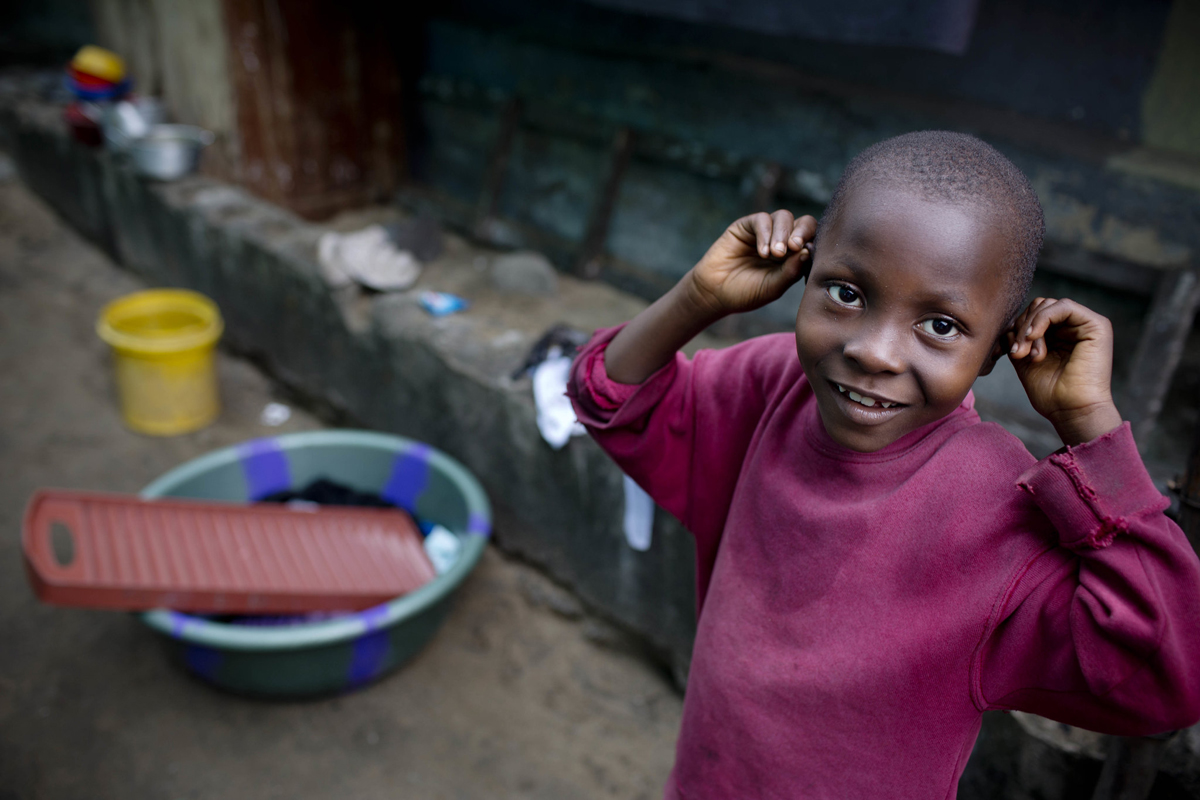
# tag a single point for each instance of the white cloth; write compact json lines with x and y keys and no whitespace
{"x":367,"y":257}
{"x":639,"y":515}
{"x":442,"y":547}
{"x":555,"y":416}
{"x":557,"y":423}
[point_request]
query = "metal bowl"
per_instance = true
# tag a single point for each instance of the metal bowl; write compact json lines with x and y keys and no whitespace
{"x":168,"y":152}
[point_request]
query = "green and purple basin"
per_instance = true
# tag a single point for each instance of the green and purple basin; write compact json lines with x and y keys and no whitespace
{"x":345,"y":651}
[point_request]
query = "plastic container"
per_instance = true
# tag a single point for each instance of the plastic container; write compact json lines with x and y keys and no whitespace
{"x":94,"y":550}
{"x":332,"y":655}
{"x":97,"y":93}
{"x":99,"y":63}
{"x":162,"y":342}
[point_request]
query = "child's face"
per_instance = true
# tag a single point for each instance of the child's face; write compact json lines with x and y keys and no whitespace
{"x":904,"y":306}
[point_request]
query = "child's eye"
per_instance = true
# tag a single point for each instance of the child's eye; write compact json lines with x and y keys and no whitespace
{"x":941,"y":328}
{"x":843,"y":294}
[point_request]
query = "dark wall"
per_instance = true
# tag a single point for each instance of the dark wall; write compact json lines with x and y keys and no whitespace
{"x":43,"y":32}
{"x":1055,"y":85}
{"x":1081,"y":61}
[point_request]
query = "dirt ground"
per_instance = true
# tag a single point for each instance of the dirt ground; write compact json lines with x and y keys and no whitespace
{"x":519,"y":695}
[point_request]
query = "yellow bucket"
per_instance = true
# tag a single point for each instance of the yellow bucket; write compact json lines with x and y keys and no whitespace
{"x":162,"y":342}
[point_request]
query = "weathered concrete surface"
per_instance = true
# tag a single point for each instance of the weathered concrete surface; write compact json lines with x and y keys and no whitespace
{"x":520,"y":695}
{"x":386,"y":363}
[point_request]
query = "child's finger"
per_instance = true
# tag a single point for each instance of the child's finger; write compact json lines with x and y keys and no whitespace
{"x":1037,"y":323}
{"x":1032,"y":349}
{"x":791,"y":270}
{"x":1015,"y":340}
{"x":1019,"y":323}
{"x":781,"y":229}
{"x":761,"y":222}
{"x":803,"y":230}
{"x":1030,"y":311}
{"x":1050,"y":314}
{"x":1072,"y":322}
{"x":1023,"y":338}
{"x":1037,"y":351}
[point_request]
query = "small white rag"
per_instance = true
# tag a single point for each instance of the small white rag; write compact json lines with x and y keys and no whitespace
{"x":367,"y":257}
{"x":555,"y":416}
{"x":442,"y":547}
{"x":639,"y":515}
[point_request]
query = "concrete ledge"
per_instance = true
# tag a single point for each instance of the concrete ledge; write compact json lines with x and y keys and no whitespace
{"x":387,"y":364}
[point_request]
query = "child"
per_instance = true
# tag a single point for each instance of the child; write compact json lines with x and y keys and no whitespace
{"x":877,"y":567}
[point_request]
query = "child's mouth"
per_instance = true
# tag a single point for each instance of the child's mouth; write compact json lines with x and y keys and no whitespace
{"x":862,"y":409}
{"x":865,"y":400}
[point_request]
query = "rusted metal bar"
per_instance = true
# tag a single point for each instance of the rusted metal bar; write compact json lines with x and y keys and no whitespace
{"x":1160,"y":347}
{"x":497,"y":169}
{"x":1130,"y":767}
{"x":591,"y":253}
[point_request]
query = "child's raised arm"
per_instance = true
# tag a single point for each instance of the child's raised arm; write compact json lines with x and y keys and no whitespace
{"x":753,"y":263}
{"x":1109,"y":636}
{"x":1062,"y":353}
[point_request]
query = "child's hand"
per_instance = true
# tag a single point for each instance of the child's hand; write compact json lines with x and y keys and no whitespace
{"x":1062,"y":352}
{"x":754,"y":262}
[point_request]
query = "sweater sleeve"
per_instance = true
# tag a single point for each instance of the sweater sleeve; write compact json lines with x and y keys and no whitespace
{"x":684,"y":432}
{"x":1103,"y":630}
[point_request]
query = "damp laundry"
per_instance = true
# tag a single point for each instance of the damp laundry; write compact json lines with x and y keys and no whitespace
{"x":325,"y":492}
{"x":549,"y":362}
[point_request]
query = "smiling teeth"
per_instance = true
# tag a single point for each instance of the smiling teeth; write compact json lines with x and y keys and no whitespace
{"x":863,"y":400}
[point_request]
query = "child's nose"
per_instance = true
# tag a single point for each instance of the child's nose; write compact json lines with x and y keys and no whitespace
{"x":876,"y":348}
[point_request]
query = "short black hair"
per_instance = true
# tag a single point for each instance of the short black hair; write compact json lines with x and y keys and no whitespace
{"x":956,"y":168}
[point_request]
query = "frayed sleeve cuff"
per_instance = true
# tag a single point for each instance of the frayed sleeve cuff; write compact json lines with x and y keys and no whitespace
{"x":601,"y":402}
{"x":605,"y":392}
{"x":1092,"y":491}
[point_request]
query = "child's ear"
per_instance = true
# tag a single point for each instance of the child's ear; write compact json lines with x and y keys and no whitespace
{"x":999,"y":350}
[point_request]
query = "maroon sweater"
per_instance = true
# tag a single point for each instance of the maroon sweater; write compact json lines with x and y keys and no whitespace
{"x":859,"y":611}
